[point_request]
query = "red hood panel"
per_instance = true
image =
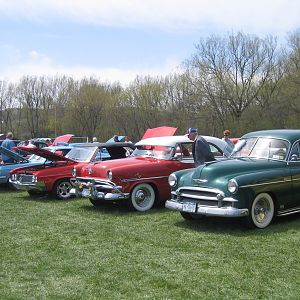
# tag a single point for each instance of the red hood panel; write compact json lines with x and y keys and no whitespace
{"x":45,"y":153}
{"x":101,"y":168}
{"x":62,"y":139}
{"x":159,"y":131}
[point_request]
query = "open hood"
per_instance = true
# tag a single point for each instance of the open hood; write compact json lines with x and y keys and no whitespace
{"x":159,"y":131}
{"x":62,"y":139}
{"x":11,"y":154}
{"x":45,"y":153}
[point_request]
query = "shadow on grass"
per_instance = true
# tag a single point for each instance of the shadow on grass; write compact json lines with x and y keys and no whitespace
{"x":46,"y":198}
{"x":6,"y":188}
{"x":121,"y":208}
{"x":237,"y":226}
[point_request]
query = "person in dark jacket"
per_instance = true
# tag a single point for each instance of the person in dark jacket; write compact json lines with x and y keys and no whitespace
{"x":201,"y":150}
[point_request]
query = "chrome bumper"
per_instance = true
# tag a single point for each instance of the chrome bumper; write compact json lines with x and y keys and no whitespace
{"x":97,"y":190}
{"x":229,"y":212}
{"x":37,"y":186}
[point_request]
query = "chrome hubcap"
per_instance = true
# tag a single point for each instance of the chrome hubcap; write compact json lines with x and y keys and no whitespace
{"x":142,"y":197}
{"x":64,"y":189}
{"x":262,"y":211}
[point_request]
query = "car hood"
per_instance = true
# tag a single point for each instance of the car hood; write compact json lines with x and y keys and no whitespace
{"x":62,"y":139}
{"x":45,"y":153}
{"x":125,"y":166}
{"x":230,"y":168}
{"x":159,"y":131}
{"x":124,"y":162}
{"x":11,"y":154}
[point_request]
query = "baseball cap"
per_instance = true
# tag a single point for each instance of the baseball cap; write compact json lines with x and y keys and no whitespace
{"x":192,"y":130}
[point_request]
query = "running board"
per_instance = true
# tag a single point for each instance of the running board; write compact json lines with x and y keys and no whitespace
{"x":288,"y":211}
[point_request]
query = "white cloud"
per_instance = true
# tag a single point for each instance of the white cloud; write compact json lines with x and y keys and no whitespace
{"x":37,"y":64}
{"x":257,"y":16}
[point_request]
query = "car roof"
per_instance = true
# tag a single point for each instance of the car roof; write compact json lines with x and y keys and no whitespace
{"x":287,"y":134}
{"x":172,"y":141}
{"x":104,"y":145}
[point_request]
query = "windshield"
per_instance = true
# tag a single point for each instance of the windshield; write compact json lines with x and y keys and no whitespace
{"x":82,"y":154}
{"x":268,"y":148}
{"x":36,"y":157}
{"x":161,"y":152}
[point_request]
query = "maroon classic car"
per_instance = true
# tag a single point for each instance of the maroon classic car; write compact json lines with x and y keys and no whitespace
{"x":142,"y":178}
{"x":53,"y":176}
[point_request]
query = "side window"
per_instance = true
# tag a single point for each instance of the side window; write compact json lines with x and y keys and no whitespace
{"x":295,"y":152}
{"x":215,"y":151}
{"x":184,"y":151}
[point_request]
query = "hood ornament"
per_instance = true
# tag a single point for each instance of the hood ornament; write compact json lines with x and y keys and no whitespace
{"x":200,"y":180}
{"x":90,"y":170}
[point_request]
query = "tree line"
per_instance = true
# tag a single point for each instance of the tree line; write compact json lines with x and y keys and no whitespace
{"x":240,"y":82}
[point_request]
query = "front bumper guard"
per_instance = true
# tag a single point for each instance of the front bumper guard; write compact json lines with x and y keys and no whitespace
{"x":230,"y":212}
{"x":89,"y":189}
{"x":28,"y":186}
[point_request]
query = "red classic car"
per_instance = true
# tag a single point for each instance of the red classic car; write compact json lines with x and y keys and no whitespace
{"x":142,"y":178}
{"x":55,"y":177}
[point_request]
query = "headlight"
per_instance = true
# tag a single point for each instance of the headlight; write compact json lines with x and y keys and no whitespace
{"x":232,"y":186}
{"x":74,"y":172}
{"x":110,"y":175}
{"x":172,"y":180}
{"x":34,"y":178}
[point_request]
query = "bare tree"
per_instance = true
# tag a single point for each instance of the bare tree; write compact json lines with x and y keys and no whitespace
{"x":231,"y":72}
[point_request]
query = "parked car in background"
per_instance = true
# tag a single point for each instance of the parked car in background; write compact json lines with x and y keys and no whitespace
{"x":55,"y":177}
{"x":258,"y":182}
{"x":141,"y":179}
{"x":21,"y":161}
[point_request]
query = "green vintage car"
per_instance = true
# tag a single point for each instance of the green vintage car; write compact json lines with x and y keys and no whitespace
{"x":260,"y":180}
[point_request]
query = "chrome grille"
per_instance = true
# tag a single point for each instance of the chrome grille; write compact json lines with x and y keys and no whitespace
{"x":199,"y":193}
{"x":25,"y":178}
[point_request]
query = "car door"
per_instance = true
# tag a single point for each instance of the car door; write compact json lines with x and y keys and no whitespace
{"x":294,"y":168}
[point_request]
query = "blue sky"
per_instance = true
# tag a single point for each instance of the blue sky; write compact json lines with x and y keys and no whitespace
{"x":116,"y":40}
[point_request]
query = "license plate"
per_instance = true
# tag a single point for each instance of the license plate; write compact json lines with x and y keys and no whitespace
{"x":189,"y":207}
{"x":86,"y":193}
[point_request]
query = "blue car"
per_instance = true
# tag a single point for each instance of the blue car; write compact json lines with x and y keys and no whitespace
{"x":20,"y":161}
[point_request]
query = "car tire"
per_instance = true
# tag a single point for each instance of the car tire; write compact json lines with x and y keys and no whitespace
{"x":142,"y":197}
{"x":261,"y":212}
{"x":62,"y":189}
{"x":191,"y":216}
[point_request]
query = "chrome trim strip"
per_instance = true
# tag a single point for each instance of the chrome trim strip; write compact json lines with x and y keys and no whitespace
{"x":93,"y":179}
{"x":200,"y":180}
{"x":266,"y":183}
{"x":201,"y":189}
{"x":226,"y":199}
{"x":144,"y":178}
{"x":288,"y":211}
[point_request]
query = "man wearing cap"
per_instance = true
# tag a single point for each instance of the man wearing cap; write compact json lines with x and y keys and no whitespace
{"x":201,"y":150}
{"x":226,"y":138}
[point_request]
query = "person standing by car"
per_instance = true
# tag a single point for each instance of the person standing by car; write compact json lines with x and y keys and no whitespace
{"x":201,"y":150}
{"x":226,"y":138}
{"x":8,"y":143}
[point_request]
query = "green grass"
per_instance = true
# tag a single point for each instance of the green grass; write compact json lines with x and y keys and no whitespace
{"x":70,"y":250}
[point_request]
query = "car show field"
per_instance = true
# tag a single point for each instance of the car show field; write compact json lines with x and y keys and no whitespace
{"x":53,"y":249}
